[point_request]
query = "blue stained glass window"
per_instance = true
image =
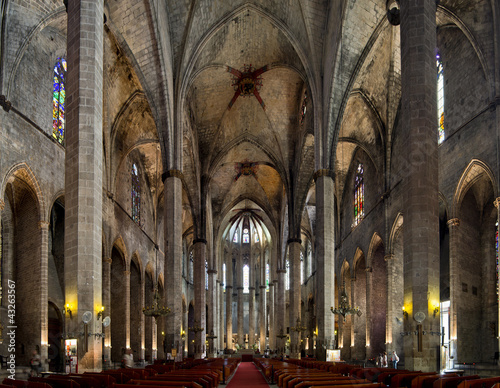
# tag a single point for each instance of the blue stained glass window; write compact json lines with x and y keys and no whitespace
{"x":224,"y":276}
{"x":267,"y":277}
{"x":301,"y":268}
{"x":246,"y":236}
{"x":256,"y":238}
{"x":136,"y":195}
{"x":440,"y":98}
{"x":246,"y":279}
{"x":359,"y":195}
{"x":58,"y":100}
{"x":206,"y":275}
{"x":235,"y":237}
{"x":287,"y":275}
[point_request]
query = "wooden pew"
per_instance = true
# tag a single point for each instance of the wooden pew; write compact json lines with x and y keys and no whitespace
{"x":479,"y":383}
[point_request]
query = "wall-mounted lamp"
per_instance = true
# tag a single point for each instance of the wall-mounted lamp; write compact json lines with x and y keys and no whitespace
{"x":67,"y":310}
{"x":405,"y":313}
{"x":100,"y":313}
{"x":436,"y":310}
{"x":183,"y":334}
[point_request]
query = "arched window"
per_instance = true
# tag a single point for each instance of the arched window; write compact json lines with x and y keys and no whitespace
{"x":224,"y":276}
{"x":246,"y":279}
{"x":267,"y":277}
{"x":246,"y":236}
{"x":235,"y":237}
{"x":287,"y":275}
{"x":440,"y":98}
{"x":136,"y":195}
{"x":206,"y":275}
{"x":256,"y":236}
{"x":303,"y":108}
{"x":58,"y":100}
{"x":191,"y":267}
{"x":309,"y":259}
{"x":359,"y":195}
{"x":301,"y":268}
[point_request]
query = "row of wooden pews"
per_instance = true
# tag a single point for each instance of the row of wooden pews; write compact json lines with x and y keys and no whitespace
{"x":191,"y":374}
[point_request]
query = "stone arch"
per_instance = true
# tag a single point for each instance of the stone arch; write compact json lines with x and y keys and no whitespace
{"x":397,"y":228}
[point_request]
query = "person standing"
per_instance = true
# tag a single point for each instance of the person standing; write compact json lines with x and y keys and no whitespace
{"x":394,"y":359}
{"x":384,"y":360}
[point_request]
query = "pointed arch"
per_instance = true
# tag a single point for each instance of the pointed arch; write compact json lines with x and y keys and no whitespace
{"x":395,"y":230}
{"x":476,"y":170}
{"x":358,"y":255}
{"x":136,"y":258}
{"x":119,"y":244}
{"x":375,"y":242}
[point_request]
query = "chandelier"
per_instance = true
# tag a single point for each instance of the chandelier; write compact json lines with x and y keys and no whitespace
{"x":156,"y":310}
{"x":298,"y":328}
{"x":195,"y":328}
{"x":281,"y":335}
{"x":344,"y":308}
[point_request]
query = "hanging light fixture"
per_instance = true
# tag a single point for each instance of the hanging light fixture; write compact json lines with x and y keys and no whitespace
{"x":156,"y":310}
{"x":344,"y":308}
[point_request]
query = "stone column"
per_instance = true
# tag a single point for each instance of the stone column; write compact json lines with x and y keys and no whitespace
{"x":369,"y":278}
{"x":83,"y":173}
{"x":271,"y":325}
{"x":241,"y":333}
{"x":221,"y":316}
{"x":325,"y":259}
{"x":212,"y":311}
{"x":453,"y":226}
{"x":143,"y":320}
{"x":126,"y":276}
{"x":44,"y":292}
{"x":229,"y":302}
{"x":352,"y":298}
{"x":106,"y":302}
{"x":200,"y":246}
{"x":497,"y":205}
{"x":251,"y":317}
{"x":280,"y":308}
{"x":262,"y":318}
{"x":420,"y":183}
{"x":172,"y":181}
{"x":294,"y":294}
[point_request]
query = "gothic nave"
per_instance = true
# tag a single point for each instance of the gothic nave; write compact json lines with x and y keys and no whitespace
{"x":247,"y":165}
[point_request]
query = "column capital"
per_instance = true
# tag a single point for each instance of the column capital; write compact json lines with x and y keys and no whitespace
{"x":281,"y":270}
{"x":211,"y":271}
{"x":453,"y":222}
{"x":251,"y":288}
{"x":2,"y":205}
{"x":262,"y":287}
{"x":239,"y":288}
{"x":43,"y":224}
{"x":368,"y":269}
{"x":389,"y":257}
{"x":294,"y":240}
{"x":324,"y":172}
{"x":199,"y":240}
{"x":496,"y":202}
{"x":170,"y":174}
{"x":126,"y":273}
{"x":107,"y":260}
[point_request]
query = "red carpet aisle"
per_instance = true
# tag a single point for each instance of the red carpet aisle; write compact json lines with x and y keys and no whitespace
{"x":247,"y":376}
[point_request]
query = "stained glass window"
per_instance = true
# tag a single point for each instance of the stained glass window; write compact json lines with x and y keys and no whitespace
{"x":359,"y":195}
{"x":301,"y":268}
{"x":136,"y":195}
{"x":256,"y":237}
{"x":303,"y":108}
{"x":440,"y":98}
{"x":191,"y":266}
{"x":224,"y":276}
{"x":246,"y":236}
{"x":58,"y":100}
{"x":267,"y":277}
{"x":206,"y":275}
{"x":309,"y":259}
{"x":246,"y":279}
{"x":235,"y":237}
{"x":287,"y":275}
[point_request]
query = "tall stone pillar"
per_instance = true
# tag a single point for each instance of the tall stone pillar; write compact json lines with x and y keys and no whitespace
{"x":325,"y":259}
{"x":251,"y":317}
{"x":44,"y":292}
{"x":369,"y":294}
{"x":420,"y":182}
{"x":212,"y":311}
{"x":241,"y":340}
{"x":172,"y":181}
{"x":262,"y":318}
{"x":280,"y":308}
{"x":200,"y":246}
{"x":143,"y":320}
{"x":221,"y":316}
{"x":272,"y":315}
{"x":497,"y":205}
{"x":453,"y":226}
{"x":83,"y":174}
{"x":294,"y":294}
{"x":229,"y":302}
{"x":126,"y":277}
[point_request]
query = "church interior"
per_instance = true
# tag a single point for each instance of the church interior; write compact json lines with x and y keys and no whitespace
{"x":204,"y":178}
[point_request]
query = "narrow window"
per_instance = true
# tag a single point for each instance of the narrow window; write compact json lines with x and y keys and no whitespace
{"x":136,"y":195}
{"x":287,"y":275}
{"x":256,"y":237}
{"x":440,"y":98}
{"x":191,"y":267}
{"x":359,"y":195}
{"x":246,"y":279}
{"x":246,"y":236}
{"x":235,"y":237}
{"x":301,"y":268}
{"x":267,"y":277}
{"x":309,"y":259}
{"x":58,"y":100}
{"x":206,"y":275}
{"x":303,"y":108}
{"x":224,"y":276}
